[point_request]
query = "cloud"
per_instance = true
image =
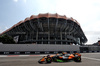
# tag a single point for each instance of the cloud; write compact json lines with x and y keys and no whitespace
{"x":20,"y":0}
{"x":86,"y":12}
{"x":24,"y":1}
{"x":6,"y":28}
{"x":15,"y":0}
{"x":92,"y":38}
{"x":1,"y":30}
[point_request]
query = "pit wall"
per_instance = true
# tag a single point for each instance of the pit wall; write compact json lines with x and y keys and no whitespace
{"x":7,"y":49}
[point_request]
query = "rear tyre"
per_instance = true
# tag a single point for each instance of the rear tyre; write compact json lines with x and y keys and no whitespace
{"x":55,"y":59}
{"x":77,"y":59}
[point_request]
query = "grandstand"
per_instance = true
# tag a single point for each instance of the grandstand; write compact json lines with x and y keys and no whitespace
{"x":47,"y":29}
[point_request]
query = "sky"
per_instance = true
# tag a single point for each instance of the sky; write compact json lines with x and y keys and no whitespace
{"x":86,"y":12}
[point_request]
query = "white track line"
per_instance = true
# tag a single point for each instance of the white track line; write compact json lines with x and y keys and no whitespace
{"x":19,"y":55}
{"x":3,"y":55}
{"x":91,"y":58}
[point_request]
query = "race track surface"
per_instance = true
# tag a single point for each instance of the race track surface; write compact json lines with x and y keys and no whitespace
{"x":88,"y":59}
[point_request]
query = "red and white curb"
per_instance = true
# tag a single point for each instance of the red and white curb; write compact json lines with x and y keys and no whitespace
{"x":19,"y":55}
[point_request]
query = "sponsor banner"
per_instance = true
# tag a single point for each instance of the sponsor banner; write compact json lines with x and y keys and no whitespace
{"x":34,"y":52}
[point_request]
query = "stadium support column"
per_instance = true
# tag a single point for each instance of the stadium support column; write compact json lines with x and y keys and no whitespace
{"x":55,"y":40}
{"x":30,"y":36}
{"x":37,"y":32}
{"x":61,"y":36}
{"x":31,"y":25}
{"x":67,"y":26}
{"x":42,"y":31}
{"x":65,"y":37}
{"x":48,"y":32}
{"x":56,"y":27}
{"x":37,"y":36}
{"x":26,"y":36}
{"x":19,"y":28}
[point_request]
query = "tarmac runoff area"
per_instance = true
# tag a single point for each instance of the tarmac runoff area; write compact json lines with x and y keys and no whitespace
{"x":88,"y":59}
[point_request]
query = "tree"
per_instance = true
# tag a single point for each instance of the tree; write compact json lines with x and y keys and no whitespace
{"x":5,"y":39}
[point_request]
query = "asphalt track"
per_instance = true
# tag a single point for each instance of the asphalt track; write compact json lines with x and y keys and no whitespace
{"x":88,"y":59}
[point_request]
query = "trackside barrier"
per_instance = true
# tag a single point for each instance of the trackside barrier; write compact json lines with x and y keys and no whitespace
{"x":89,"y":49}
{"x":26,"y":49}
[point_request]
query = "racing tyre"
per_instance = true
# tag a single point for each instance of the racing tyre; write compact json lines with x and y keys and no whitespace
{"x":55,"y":59}
{"x":42,"y":62}
{"x":77,"y":59}
{"x":48,"y":60}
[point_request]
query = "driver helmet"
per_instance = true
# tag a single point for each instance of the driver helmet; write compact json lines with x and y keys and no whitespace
{"x":64,"y":53}
{"x":48,"y":55}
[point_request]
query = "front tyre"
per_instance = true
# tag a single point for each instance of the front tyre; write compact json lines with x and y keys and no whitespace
{"x":49,"y":60}
{"x":42,"y":62}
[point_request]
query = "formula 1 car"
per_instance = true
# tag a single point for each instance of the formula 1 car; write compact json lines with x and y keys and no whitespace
{"x":63,"y":57}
